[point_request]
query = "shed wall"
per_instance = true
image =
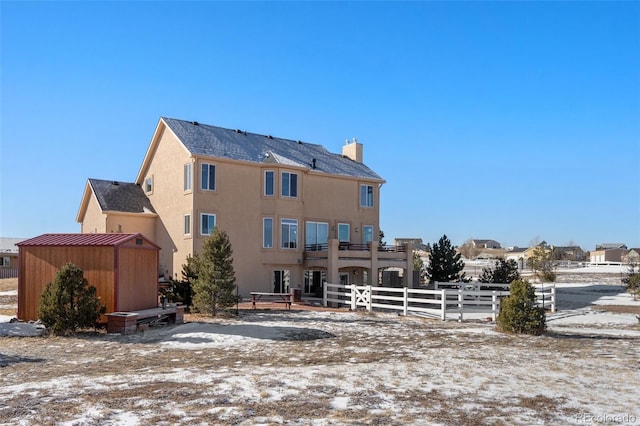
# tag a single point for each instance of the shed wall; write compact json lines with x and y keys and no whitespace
{"x":138,"y":279}
{"x":39,"y":265}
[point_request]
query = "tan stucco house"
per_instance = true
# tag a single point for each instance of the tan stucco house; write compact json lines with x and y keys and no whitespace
{"x":296,"y":214}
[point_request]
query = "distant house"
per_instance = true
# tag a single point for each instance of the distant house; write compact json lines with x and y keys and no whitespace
{"x":122,"y":267}
{"x":529,"y":251}
{"x":632,"y":256}
{"x":516,"y":254}
{"x":9,"y":257}
{"x":416,"y":242}
{"x":610,"y":246}
{"x":569,"y":253}
{"x":485,"y":244}
{"x":608,"y":252}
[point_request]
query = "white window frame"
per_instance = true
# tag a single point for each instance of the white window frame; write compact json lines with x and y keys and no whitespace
{"x":5,"y":261}
{"x":317,"y":226}
{"x":287,"y":186}
{"x":208,"y":215}
{"x":265,"y":244}
{"x":187,"y":177}
{"x":209,"y":167}
{"x":148,"y":185}
{"x":366,"y":195}
{"x":186,"y":229}
{"x":273,"y":183}
{"x":289,"y":224}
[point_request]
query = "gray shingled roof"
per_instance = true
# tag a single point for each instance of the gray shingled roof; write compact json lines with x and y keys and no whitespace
{"x":210,"y":141}
{"x":121,"y":196}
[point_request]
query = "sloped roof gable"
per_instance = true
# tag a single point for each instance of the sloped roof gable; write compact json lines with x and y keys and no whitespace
{"x":121,"y":196}
{"x":211,"y":141}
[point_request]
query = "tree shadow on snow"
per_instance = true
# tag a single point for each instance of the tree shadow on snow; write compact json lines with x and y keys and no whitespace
{"x":6,"y":360}
{"x":577,"y":297}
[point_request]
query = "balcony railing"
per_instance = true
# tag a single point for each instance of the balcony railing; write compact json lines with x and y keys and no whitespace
{"x":343,"y":245}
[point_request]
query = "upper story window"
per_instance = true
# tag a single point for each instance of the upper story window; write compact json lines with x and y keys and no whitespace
{"x":207,"y":223}
{"x":366,"y":195}
{"x":208,"y":182}
{"x":269,"y":182}
{"x":187,"y":177}
{"x":367,"y":234}
{"x":289,"y":233}
{"x":148,"y":184}
{"x":187,"y":224}
{"x":344,"y":232}
{"x":267,"y":232}
{"x":289,"y":184}
{"x":316,"y":233}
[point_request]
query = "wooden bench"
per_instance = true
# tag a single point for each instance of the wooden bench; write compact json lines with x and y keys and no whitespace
{"x":272,"y":297}
{"x":130,"y":322}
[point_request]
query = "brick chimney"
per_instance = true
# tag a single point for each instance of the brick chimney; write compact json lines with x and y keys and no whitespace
{"x":353,"y":150}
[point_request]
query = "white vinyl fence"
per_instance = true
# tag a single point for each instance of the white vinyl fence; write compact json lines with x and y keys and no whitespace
{"x":444,"y":303}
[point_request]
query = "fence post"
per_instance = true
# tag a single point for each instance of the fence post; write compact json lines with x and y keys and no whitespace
{"x":443,"y":300}
{"x":553,"y":298}
{"x":494,"y":302}
{"x":353,"y":297}
{"x":324,"y":294}
{"x":460,"y":303}
{"x":406,"y":301}
{"x":370,"y":298}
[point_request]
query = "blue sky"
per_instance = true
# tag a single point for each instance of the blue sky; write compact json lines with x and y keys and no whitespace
{"x":513,"y":121}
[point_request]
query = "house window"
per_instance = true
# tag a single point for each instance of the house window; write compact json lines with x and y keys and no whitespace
{"x":269,"y":183}
{"x":208,"y":182}
{"x":366,"y":195}
{"x":5,"y":261}
{"x":148,"y":184}
{"x":187,"y":224}
{"x":267,"y":232}
{"x":367,"y":234}
{"x":281,"y":280}
{"x":344,"y":232}
{"x":289,"y":233}
{"x":289,"y":185}
{"x":207,"y":223}
{"x":187,"y":177}
{"x":316,"y":234}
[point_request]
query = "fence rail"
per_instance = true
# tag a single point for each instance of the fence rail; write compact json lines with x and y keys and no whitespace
{"x":8,"y":273}
{"x":439,"y":303}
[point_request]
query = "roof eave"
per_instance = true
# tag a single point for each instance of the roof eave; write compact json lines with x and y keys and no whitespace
{"x":84,"y":203}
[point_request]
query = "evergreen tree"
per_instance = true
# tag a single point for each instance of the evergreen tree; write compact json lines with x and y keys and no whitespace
{"x":69,"y":303}
{"x":632,"y":281}
{"x":182,"y":291}
{"x":215,"y":283}
{"x":418,"y":265}
{"x":445,"y":263}
{"x":519,"y":313}
{"x":504,"y":271}
{"x":541,"y":262}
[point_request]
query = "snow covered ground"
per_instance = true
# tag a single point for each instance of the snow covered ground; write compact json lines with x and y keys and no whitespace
{"x":339,"y":367}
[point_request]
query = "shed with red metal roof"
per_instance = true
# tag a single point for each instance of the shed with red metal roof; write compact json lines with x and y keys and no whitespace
{"x":122,"y":267}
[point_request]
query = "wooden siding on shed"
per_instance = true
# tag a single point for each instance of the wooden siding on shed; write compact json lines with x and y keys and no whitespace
{"x":138,"y":279}
{"x":43,"y":262}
